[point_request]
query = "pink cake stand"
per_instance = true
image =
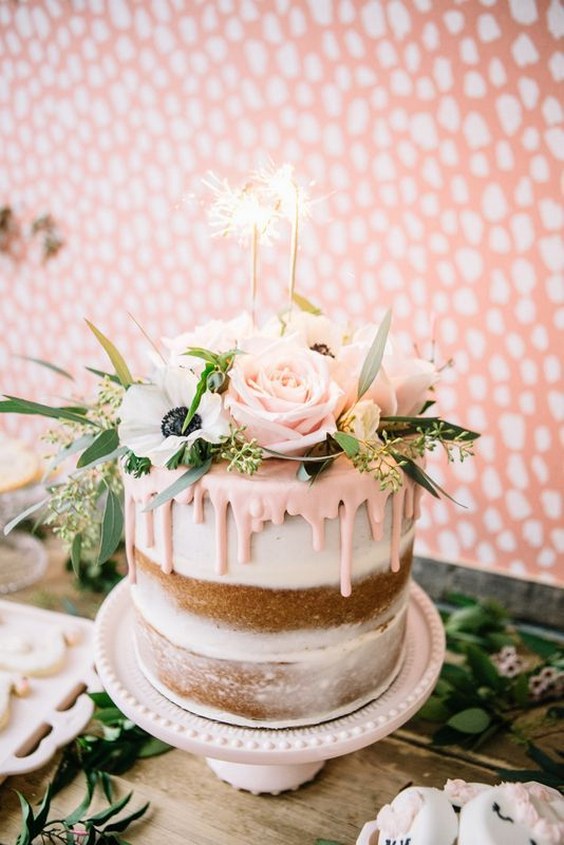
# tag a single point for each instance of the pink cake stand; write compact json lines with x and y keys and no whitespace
{"x":257,"y":759}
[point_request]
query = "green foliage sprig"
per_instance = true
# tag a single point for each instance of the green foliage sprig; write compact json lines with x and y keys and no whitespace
{"x":110,"y":746}
{"x":243,"y":455}
{"x":101,"y":828}
{"x":494,"y":674}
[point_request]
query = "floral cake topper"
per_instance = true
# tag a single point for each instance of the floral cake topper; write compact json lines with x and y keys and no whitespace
{"x":300,"y":388}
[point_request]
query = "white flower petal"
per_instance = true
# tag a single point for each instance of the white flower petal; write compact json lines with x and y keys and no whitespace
{"x":166,"y":449}
{"x":179,"y":385}
{"x":143,"y":403}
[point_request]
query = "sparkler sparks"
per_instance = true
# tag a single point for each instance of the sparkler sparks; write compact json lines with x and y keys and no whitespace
{"x":253,"y":211}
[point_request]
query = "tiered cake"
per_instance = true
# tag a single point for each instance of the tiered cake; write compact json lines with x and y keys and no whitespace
{"x":263,"y":600}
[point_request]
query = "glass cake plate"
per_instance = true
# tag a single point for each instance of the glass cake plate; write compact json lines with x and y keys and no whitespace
{"x":260,"y":759}
{"x":23,"y":559}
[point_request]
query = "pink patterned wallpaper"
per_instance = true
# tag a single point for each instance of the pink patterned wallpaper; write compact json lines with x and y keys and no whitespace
{"x":433,"y":132}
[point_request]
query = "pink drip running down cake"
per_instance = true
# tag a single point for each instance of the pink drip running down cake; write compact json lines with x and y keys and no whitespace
{"x":261,"y":600}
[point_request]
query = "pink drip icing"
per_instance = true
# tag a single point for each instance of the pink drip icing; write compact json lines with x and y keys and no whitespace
{"x":166,"y":511}
{"x":220,"y":504}
{"x":397,"y":512}
{"x":149,"y":529}
{"x":347,"y":517}
{"x":269,"y":497}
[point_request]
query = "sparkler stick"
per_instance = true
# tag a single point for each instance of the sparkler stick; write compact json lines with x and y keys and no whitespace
{"x":294,"y":248}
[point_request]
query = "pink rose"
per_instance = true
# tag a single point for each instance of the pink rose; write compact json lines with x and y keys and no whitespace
{"x":347,"y":372}
{"x":411,"y":379}
{"x":401,"y":386}
{"x":283,"y":394}
{"x":215,"y":336}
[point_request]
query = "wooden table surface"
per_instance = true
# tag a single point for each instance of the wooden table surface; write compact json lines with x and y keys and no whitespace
{"x":190,"y":806}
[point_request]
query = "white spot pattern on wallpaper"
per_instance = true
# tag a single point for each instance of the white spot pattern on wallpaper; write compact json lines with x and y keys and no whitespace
{"x":433,"y":131}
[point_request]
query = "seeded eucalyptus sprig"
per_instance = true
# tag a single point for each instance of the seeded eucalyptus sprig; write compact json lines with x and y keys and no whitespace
{"x":84,"y":508}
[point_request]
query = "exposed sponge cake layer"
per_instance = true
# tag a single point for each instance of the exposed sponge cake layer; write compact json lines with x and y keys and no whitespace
{"x":331,"y":682}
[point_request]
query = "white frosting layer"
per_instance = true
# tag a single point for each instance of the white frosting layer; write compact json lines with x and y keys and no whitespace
{"x":198,"y":635}
{"x":282,"y":556}
{"x":223,"y":520}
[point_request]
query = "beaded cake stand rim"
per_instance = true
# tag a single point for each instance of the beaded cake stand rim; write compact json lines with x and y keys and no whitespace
{"x":126,"y":684}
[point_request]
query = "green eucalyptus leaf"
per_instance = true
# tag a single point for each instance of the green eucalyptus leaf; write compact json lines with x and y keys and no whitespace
{"x":28,"y":819}
{"x":204,"y":354}
{"x":48,"y":366}
{"x":75,"y":554}
{"x":109,"y":812}
{"x":199,"y":392}
{"x":413,"y":471}
{"x":306,"y":459}
{"x":326,"y":842}
{"x":483,"y":669}
{"x":105,"y":443}
{"x":348,"y":443}
{"x":520,"y":690}
{"x":474,"y":720}
{"x":77,"y":445}
{"x":104,"y":459}
{"x":185,"y":480}
{"x":101,"y":699}
{"x":305,"y":305}
{"x":43,"y":809}
{"x":522,"y":775}
{"x":122,"y":824}
{"x":153,"y":747}
{"x":121,"y":368}
{"x":547,"y":763}
{"x":79,"y":811}
{"x":458,"y":677}
{"x":373,"y":360}
{"x":434,"y":710}
{"x":103,"y":374}
{"x":112,"y":527}
{"x":16,"y":405}
{"x":24,"y":514}
{"x":308,"y":471}
{"x":545,"y":648}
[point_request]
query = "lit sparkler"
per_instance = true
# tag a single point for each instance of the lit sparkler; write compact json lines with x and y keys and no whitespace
{"x":291,"y":202}
{"x":243,"y":212}
{"x":252,"y":211}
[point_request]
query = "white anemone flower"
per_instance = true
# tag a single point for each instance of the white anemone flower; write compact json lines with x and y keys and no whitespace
{"x":152,"y":416}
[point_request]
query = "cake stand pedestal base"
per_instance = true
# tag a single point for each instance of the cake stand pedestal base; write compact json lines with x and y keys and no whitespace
{"x":259,"y":779}
{"x":266,"y":760}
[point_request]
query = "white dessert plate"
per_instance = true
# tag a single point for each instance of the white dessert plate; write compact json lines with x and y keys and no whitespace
{"x":56,"y":707}
{"x":262,"y":759}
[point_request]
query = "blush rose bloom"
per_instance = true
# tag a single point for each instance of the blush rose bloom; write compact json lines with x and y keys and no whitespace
{"x":215,"y":336}
{"x":283,"y":394}
{"x":402,"y":385}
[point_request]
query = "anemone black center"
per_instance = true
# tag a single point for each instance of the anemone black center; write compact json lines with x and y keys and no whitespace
{"x":173,"y":421}
{"x":322,"y":348}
